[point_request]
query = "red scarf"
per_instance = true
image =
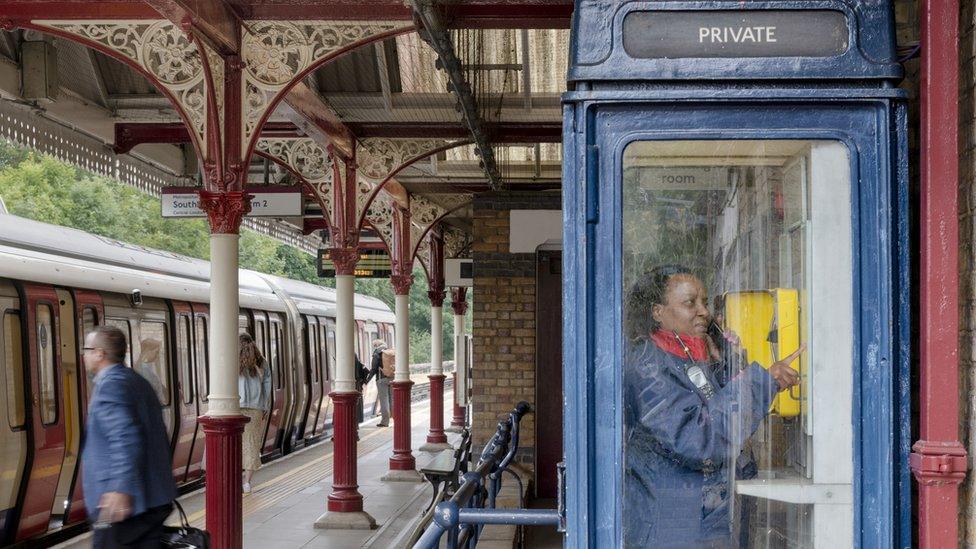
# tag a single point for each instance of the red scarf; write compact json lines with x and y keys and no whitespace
{"x":668,"y":342}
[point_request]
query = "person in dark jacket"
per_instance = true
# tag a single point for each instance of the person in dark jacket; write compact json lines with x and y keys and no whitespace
{"x":382,"y":382}
{"x":126,"y":460}
{"x":682,"y":427}
{"x":362,"y":377}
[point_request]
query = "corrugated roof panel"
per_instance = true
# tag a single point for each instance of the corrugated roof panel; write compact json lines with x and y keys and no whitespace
{"x":76,"y":71}
{"x":356,"y":71}
{"x":120,"y":79}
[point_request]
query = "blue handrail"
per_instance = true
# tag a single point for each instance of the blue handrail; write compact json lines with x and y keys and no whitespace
{"x":473,"y":504}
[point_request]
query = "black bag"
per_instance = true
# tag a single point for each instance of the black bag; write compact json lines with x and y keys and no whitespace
{"x":185,"y":536}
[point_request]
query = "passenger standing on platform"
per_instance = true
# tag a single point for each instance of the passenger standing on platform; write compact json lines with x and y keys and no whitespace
{"x":126,"y":460}
{"x":382,"y":381}
{"x":684,"y":429}
{"x":362,"y":378}
{"x":254,"y":385}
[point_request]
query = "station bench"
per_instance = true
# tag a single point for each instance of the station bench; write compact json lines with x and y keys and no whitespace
{"x":445,"y":469}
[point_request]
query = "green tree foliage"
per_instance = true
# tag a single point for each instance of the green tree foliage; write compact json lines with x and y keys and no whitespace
{"x":40,"y":187}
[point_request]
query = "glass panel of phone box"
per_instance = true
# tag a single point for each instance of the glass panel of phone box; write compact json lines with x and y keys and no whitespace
{"x":737,"y":344}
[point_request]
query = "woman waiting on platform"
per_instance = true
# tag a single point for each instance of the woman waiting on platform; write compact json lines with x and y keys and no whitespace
{"x":254,"y":384}
{"x":685,"y":427}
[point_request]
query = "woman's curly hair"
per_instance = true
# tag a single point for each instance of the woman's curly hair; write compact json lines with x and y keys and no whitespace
{"x":649,"y":290}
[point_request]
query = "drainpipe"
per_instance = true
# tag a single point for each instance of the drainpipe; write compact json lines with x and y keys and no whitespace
{"x":938,"y":458}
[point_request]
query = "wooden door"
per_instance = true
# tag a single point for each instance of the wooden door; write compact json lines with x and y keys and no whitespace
{"x":548,"y":371}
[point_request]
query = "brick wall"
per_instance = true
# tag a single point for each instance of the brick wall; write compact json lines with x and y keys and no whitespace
{"x":503,"y":320}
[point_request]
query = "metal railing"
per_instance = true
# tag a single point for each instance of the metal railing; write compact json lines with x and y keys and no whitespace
{"x":473,"y":504}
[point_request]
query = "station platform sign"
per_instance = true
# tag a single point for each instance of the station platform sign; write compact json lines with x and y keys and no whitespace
{"x":267,"y":201}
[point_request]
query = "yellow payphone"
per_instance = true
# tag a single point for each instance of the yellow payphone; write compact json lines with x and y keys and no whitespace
{"x":768,"y":324}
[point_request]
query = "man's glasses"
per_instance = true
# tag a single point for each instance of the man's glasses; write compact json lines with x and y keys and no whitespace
{"x":89,"y":348}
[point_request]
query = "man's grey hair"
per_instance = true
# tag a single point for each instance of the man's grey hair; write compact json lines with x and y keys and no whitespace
{"x":111,"y":340}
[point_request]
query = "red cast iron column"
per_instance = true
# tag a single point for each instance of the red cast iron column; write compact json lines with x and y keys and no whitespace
{"x":223,"y":493}
{"x":223,"y":427}
{"x":436,"y":434}
{"x":460,"y":306}
{"x":436,"y":294}
{"x":345,"y":496}
{"x":402,"y":459}
{"x":938,"y":460}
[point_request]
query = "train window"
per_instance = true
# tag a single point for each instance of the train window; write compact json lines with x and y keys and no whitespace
{"x":183,"y":340}
{"x":13,"y":366}
{"x":312,"y":333}
{"x":723,"y":314}
{"x":123,"y":324}
{"x":276,"y":353}
{"x":259,"y":337}
{"x":89,"y":320}
{"x":47,"y":389}
{"x":330,"y":339}
{"x":203,"y":356}
{"x":152,"y":363}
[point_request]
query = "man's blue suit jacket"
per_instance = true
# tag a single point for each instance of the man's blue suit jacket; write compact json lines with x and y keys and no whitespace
{"x":126,"y":449}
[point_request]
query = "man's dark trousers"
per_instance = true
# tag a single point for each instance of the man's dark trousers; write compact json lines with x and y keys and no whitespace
{"x":142,"y":531}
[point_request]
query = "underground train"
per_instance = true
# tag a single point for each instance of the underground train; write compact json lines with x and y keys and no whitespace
{"x":56,"y":284}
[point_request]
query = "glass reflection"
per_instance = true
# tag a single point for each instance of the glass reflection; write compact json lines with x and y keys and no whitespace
{"x":721,"y":305}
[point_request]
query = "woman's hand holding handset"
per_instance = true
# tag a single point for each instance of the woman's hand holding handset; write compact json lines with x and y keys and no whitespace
{"x":785,"y":376}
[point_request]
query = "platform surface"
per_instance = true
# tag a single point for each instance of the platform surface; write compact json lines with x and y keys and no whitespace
{"x":290,"y":494}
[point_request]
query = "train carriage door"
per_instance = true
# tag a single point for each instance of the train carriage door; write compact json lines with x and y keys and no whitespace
{"x":329,"y":365}
{"x":328,"y":369}
{"x":88,"y":314}
{"x":312,"y":356}
{"x":71,"y":373}
{"x":735,"y":325}
{"x":46,"y":422}
{"x":185,"y":403}
{"x":201,"y":385}
{"x":14,"y":438}
{"x":273,"y":357}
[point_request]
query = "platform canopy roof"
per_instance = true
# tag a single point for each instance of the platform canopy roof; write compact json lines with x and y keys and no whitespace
{"x":436,"y":100}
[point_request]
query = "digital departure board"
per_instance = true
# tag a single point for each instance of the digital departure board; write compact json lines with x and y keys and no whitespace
{"x":735,"y":34}
{"x":372,"y":264}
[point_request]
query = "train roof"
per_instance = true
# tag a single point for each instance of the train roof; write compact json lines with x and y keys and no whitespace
{"x":52,"y":254}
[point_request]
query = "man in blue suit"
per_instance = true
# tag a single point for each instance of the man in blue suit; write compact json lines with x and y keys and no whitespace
{"x":126,"y":474}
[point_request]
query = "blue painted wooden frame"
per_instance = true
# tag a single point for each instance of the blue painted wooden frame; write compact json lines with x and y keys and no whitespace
{"x":597,"y":53}
{"x":598,"y":126}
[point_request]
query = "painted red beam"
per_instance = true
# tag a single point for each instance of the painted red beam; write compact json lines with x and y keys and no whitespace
{"x":541,"y":132}
{"x":213,"y":20}
{"x":938,"y":459}
{"x":25,"y":10}
{"x":130,"y":134}
{"x":308,"y":103}
{"x":469,"y":14}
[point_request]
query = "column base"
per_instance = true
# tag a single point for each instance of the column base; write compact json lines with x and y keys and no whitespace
{"x":434,"y":447}
{"x":405,"y":475}
{"x":352,"y":520}
{"x":223,"y":495}
{"x":452,"y":429}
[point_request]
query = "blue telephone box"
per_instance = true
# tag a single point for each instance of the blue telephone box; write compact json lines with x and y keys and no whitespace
{"x":736,"y":332}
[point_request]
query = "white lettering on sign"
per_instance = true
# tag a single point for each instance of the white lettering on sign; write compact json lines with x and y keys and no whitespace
{"x":737,"y":35}
{"x":263,"y":204}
